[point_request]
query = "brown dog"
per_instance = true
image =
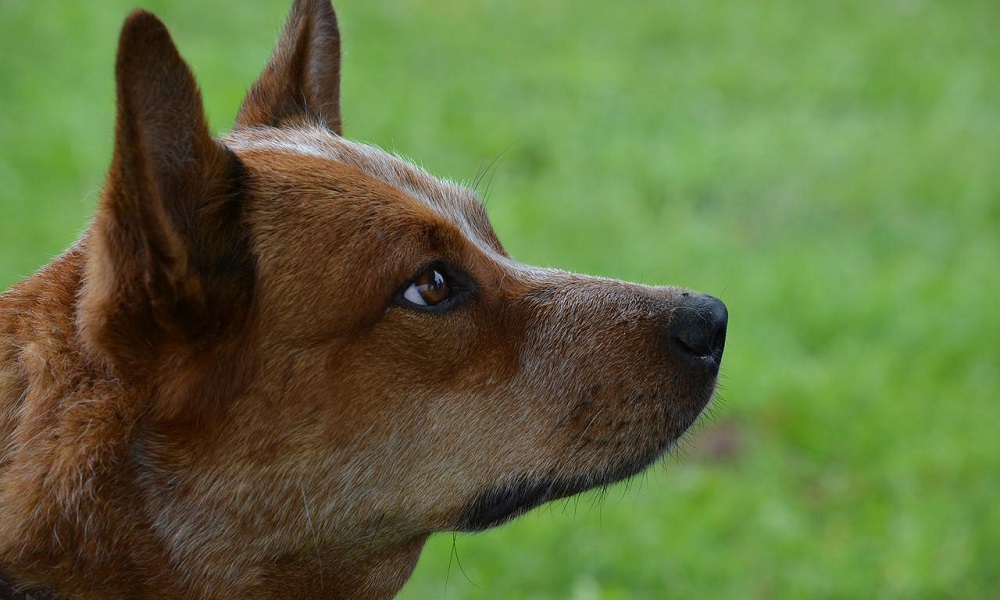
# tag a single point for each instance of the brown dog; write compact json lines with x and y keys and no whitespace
{"x":278,"y":361}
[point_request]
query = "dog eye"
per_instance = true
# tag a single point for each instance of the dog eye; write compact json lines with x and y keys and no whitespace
{"x":428,"y":289}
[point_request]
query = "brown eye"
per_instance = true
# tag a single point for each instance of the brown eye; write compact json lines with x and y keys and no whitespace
{"x":428,"y":289}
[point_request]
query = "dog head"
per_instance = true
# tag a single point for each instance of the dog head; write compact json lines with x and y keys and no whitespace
{"x":339,"y":356}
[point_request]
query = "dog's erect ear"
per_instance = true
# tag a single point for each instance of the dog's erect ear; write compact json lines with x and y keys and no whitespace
{"x":168,"y":257}
{"x":302,"y":81}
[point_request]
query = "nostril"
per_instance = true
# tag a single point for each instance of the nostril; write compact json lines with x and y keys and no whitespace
{"x":699,"y":328}
{"x":700,"y":342}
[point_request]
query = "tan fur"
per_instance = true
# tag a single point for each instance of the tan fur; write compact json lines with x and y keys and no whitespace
{"x":218,"y":392}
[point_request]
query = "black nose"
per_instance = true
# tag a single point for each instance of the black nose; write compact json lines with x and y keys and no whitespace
{"x":698,"y":328}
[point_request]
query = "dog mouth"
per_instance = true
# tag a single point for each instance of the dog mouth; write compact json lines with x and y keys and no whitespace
{"x":499,"y":504}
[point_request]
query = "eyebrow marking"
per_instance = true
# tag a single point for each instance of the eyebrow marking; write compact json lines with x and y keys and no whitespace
{"x":458,"y":205}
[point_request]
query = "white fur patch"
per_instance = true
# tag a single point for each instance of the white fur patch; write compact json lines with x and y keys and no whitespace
{"x":448,"y":199}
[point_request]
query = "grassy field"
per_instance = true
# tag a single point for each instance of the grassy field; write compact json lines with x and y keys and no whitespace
{"x":830,"y":169}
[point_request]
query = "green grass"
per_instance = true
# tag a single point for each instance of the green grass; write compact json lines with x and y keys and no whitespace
{"x":830,"y":169}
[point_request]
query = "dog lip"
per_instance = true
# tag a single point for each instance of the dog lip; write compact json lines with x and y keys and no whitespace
{"x":712,"y":363}
{"x":498,"y":505}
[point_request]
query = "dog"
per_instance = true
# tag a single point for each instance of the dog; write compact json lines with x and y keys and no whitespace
{"x":277,"y":361}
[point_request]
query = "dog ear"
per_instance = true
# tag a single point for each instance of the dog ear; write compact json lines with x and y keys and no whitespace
{"x":168,"y":257}
{"x":302,"y":80}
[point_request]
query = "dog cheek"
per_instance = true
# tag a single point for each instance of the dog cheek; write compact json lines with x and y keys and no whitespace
{"x":441,"y":355}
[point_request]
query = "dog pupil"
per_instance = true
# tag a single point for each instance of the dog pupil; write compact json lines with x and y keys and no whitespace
{"x":432,"y":287}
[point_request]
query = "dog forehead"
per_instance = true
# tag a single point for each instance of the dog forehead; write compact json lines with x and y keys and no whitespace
{"x":449,"y":200}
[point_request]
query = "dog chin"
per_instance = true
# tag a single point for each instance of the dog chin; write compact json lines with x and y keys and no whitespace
{"x":497,"y":505}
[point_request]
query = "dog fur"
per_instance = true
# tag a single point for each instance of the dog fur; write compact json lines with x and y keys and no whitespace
{"x":227,"y":388}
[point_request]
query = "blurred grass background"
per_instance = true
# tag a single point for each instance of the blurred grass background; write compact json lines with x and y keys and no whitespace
{"x":830,"y":169}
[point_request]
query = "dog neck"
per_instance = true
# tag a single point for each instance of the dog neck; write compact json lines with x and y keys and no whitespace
{"x":377,"y":576}
{"x":9,"y":591}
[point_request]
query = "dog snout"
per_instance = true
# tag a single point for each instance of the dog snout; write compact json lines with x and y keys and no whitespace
{"x":698,"y":328}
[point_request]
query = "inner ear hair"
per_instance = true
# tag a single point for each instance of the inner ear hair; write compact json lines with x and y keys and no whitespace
{"x":302,"y":80}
